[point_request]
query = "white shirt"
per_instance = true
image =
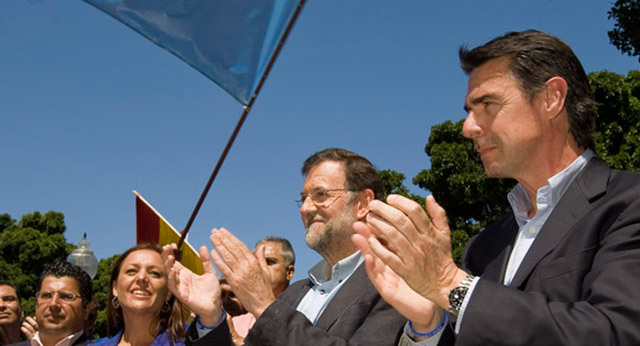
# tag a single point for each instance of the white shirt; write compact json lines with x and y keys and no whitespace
{"x":67,"y":341}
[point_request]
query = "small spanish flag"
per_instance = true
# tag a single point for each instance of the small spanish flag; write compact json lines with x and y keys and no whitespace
{"x":153,"y":228}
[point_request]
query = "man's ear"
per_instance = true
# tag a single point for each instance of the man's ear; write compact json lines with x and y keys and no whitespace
{"x":291,"y":269}
{"x":364,"y":198}
{"x":555,"y":94}
{"x":87,"y":310}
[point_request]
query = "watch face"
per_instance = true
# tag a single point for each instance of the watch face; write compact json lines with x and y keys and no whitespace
{"x":456,"y":297}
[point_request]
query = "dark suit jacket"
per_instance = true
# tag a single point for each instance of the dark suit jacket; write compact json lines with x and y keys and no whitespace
{"x":357,"y":315}
{"x":579,"y":284}
{"x":81,"y":341}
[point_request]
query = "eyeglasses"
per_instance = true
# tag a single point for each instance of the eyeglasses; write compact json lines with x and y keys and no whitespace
{"x":319,"y":197}
{"x":66,"y":297}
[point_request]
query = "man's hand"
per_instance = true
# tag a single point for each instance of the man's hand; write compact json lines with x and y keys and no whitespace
{"x":423,"y":313}
{"x":29,"y":327}
{"x":246,"y":274}
{"x":200,"y":293}
{"x":415,"y":244}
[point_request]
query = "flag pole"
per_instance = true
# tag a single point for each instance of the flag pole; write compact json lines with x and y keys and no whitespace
{"x":245,"y":113}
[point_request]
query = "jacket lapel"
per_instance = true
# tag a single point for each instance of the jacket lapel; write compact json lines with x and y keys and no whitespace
{"x":349,"y":294}
{"x":293,"y":294}
{"x":574,"y":204}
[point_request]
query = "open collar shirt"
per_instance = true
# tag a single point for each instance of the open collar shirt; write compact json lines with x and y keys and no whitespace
{"x":323,"y":290}
{"x":67,"y":341}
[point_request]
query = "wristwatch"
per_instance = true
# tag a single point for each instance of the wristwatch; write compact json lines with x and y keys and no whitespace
{"x":457,"y":294}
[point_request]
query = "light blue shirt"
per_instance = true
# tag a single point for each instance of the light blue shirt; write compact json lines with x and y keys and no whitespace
{"x":547,"y":198}
{"x":319,"y":296}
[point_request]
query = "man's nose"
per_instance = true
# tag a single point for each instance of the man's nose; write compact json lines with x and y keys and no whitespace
{"x":470,"y":127}
{"x":307,"y":207}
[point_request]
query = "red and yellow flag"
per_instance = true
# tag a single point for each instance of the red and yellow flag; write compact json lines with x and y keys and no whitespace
{"x":153,"y":228}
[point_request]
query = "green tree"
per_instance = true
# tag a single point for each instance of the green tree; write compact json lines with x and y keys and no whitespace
{"x":618,"y":118}
{"x":394,"y":184}
{"x":27,"y":246}
{"x":626,"y":32}
{"x":101,"y":287}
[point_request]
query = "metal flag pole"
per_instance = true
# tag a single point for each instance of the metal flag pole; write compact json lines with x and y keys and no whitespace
{"x":245,"y":113}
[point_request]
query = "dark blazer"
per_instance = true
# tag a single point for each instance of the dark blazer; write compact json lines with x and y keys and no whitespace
{"x":356,"y":315}
{"x":81,"y":341}
{"x":579,"y":284}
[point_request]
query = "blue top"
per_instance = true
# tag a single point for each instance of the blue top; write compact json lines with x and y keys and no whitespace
{"x":161,"y":340}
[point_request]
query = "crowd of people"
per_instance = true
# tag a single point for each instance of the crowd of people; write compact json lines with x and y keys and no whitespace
{"x":561,"y":269}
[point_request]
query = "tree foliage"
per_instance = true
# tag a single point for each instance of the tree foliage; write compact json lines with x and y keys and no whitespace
{"x":101,"y":287}
{"x":626,"y":32}
{"x":394,"y":184}
{"x":618,"y":118}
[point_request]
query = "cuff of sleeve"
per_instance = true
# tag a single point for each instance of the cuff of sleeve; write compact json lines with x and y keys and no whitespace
{"x":408,"y":337}
{"x":465,"y":302}
{"x":204,"y":330}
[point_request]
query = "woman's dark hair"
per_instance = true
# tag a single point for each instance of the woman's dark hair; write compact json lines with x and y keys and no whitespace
{"x":171,"y":320}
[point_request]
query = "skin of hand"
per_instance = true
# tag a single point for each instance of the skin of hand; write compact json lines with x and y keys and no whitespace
{"x":246,"y":273}
{"x":415,"y":244}
{"x":423,"y":313}
{"x":29,"y":327}
{"x":200,"y":293}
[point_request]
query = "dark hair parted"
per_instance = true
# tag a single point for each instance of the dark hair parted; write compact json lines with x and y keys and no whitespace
{"x":62,"y":269}
{"x":287,"y":250}
{"x":534,"y":58}
{"x":171,"y":321}
{"x":10,"y":284}
{"x":359,"y":172}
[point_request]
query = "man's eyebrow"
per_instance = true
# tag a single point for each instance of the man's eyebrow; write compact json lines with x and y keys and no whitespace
{"x":478,"y":100}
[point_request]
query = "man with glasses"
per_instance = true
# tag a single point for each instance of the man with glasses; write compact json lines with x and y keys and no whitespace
{"x":63,"y":304}
{"x":10,"y":313}
{"x":336,"y":305}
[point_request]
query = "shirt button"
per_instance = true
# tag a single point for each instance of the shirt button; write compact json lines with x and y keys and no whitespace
{"x":322,"y":292}
{"x":532,"y":230}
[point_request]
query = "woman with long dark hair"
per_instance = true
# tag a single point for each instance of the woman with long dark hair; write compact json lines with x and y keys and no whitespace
{"x":141,"y":311}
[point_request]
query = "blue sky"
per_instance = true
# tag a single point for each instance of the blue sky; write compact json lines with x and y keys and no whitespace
{"x":90,"y":110}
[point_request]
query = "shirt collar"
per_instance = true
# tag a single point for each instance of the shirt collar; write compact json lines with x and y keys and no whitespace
{"x":66,"y":341}
{"x":548,"y":195}
{"x":319,"y":273}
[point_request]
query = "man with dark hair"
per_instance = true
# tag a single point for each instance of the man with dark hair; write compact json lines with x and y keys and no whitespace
{"x":564,"y":268}
{"x":336,"y":305}
{"x":10,"y":313}
{"x":63,"y":304}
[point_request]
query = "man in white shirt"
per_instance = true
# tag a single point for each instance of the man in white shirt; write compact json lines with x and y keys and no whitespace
{"x":63,"y":303}
{"x":336,"y":305}
{"x":564,"y":268}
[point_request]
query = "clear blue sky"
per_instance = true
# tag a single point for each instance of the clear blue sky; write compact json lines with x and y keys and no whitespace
{"x":90,"y":110}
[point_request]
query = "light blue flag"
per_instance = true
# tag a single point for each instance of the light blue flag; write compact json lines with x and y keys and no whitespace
{"x":229,"y":41}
